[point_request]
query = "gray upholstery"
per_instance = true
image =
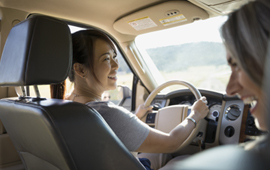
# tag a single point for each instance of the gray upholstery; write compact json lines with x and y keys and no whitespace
{"x":229,"y":157}
{"x":57,"y":134}
{"x":8,"y":154}
{"x":2,"y":128}
{"x":53,"y":134}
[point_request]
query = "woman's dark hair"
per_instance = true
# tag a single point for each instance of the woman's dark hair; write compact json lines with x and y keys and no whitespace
{"x":83,"y":52}
{"x":246,"y":34}
{"x":58,"y":90}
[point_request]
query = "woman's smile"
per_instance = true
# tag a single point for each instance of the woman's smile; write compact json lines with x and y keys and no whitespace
{"x":113,"y":78}
{"x":252,"y":101}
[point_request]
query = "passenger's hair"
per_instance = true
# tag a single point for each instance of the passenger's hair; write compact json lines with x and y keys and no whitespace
{"x":246,"y":35}
{"x":83,"y":52}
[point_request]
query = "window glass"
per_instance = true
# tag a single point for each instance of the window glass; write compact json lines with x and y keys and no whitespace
{"x":124,"y":78}
{"x":193,"y":52}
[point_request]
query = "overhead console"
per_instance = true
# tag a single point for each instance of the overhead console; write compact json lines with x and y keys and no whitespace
{"x":160,"y":16}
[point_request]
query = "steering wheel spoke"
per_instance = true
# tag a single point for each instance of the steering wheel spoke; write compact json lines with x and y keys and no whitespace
{"x":169,"y":117}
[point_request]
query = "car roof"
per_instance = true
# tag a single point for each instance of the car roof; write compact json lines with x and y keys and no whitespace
{"x":106,"y":13}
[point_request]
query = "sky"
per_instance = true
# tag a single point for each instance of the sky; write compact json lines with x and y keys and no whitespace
{"x":204,"y":30}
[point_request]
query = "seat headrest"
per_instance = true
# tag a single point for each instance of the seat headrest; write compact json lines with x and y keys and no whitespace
{"x":37,"y":51}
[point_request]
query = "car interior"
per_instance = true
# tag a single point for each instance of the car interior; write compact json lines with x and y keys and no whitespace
{"x":37,"y":132}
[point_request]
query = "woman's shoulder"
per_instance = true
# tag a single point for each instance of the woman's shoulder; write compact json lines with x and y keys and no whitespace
{"x":106,"y":105}
{"x":112,"y":112}
{"x":100,"y":103}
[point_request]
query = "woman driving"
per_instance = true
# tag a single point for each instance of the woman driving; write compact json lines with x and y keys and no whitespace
{"x":94,"y":71}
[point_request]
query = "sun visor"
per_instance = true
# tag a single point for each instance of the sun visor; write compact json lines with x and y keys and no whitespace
{"x":158,"y":17}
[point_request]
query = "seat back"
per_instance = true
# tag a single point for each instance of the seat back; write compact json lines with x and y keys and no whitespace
{"x":9,"y":158}
{"x":51,"y":133}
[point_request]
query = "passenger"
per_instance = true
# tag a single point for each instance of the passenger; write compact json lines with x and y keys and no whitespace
{"x":94,"y":71}
{"x":106,"y":96}
{"x":246,"y":36}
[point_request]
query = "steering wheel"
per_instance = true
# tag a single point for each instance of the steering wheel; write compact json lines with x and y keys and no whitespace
{"x":169,"y":117}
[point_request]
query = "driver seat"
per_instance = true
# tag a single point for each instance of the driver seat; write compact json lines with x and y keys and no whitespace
{"x":53,"y":134}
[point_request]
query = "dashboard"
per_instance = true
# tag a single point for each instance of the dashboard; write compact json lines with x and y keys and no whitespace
{"x":228,"y":120}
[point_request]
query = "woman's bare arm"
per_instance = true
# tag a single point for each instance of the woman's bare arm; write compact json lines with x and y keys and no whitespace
{"x":160,"y":142}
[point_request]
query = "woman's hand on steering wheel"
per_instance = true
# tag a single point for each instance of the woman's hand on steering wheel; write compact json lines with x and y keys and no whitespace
{"x":142,"y":110}
{"x":200,"y":109}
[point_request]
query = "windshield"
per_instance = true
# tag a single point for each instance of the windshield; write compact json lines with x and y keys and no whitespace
{"x":194,"y":53}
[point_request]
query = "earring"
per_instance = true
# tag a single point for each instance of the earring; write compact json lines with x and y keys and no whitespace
{"x":83,"y":76}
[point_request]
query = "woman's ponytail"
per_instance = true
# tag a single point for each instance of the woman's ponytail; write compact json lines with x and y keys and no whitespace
{"x":58,"y":90}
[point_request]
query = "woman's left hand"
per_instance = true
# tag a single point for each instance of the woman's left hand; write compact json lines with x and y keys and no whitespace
{"x":142,"y":110}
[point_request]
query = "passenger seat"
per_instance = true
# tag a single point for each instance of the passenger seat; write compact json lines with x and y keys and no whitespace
{"x":9,"y":158}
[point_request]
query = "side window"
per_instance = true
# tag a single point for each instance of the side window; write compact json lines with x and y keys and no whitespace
{"x":122,"y":94}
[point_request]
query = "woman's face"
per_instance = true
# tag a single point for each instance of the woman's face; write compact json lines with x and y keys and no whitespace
{"x":105,"y":66}
{"x":248,"y":91}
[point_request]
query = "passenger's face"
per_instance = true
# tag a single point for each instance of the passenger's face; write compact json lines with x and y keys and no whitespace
{"x":105,"y":65}
{"x":248,"y":91}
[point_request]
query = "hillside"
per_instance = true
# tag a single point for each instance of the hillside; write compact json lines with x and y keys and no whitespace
{"x":180,"y":57}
